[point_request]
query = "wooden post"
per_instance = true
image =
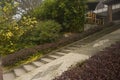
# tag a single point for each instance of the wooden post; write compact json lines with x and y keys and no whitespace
{"x":110,"y":13}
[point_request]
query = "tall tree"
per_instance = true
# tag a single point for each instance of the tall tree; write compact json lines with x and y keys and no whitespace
{"x":69,"y":13}
{"x":29,"y":4}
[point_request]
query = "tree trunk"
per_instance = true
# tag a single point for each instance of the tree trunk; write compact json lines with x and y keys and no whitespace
{"x":110,"y":13}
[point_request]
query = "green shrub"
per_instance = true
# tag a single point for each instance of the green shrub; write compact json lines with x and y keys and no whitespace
{"x":10,"y":30}
{"x":69,"y":13}
{"x":45,"y":31}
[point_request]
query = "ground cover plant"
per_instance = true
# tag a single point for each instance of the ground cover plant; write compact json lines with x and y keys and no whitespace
{"x":105,"y":65}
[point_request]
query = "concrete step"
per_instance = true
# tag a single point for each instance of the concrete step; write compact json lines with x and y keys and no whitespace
{"x":57,"y":54}
{"x":50,"y":57}
{"x":29,"y":67}
{"x":60,"y":53}
{"x":9,"y":76}
{"x":46,"y":59}
{"x":37,"y":63}
{"x":19,"y":71}
{"x":43,"y":61}
{"x":67,"y":50}
{"x":64,"y":51}
{"x":77,"y":46}
{"x":72,"y":48}
{"x":54,"y":56}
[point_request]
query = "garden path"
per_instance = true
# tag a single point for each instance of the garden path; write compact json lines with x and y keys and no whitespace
{"x":58,"y":62}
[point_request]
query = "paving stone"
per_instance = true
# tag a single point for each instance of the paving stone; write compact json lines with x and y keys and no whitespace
{"x":37,"y":63}
{"x":73,"y":48}
{"x":29,"y":67}
{"x":67,"y":50}
{"x":46,"y":59}
{"x":55,"y":56}
{"x":9,"y":76}
{"x":43,"y":61}
{"x":50,"y":57}
{"x":60,"y":53}
{"x":19,"y":71}
{"x":77,"y":46}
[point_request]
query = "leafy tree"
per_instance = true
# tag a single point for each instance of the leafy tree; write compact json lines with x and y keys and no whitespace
{"x":69,"y":13}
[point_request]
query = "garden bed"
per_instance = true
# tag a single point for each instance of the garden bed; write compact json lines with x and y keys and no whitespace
{"x":24,"y":54}
{"x":105,"y":65}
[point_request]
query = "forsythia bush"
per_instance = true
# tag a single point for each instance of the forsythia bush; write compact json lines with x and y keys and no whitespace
{"x":27,"y":21}
{"x":10,"y":30}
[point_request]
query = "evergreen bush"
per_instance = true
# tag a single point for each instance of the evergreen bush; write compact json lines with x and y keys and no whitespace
{"x":69,"y":13}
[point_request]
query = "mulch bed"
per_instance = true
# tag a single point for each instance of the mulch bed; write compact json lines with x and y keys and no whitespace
{"x":105,"y":65}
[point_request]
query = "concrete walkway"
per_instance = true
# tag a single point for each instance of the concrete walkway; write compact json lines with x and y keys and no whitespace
{"x":81,"y":53}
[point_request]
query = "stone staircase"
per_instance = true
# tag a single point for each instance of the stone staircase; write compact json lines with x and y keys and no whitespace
{"x":17,"y":72}
{"x":24,"y":69}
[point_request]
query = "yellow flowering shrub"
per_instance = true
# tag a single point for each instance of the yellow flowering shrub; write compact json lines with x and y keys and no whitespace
{"x":10,"y":33}
{"x":10,"y":30}
{"x":27,"y":21}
